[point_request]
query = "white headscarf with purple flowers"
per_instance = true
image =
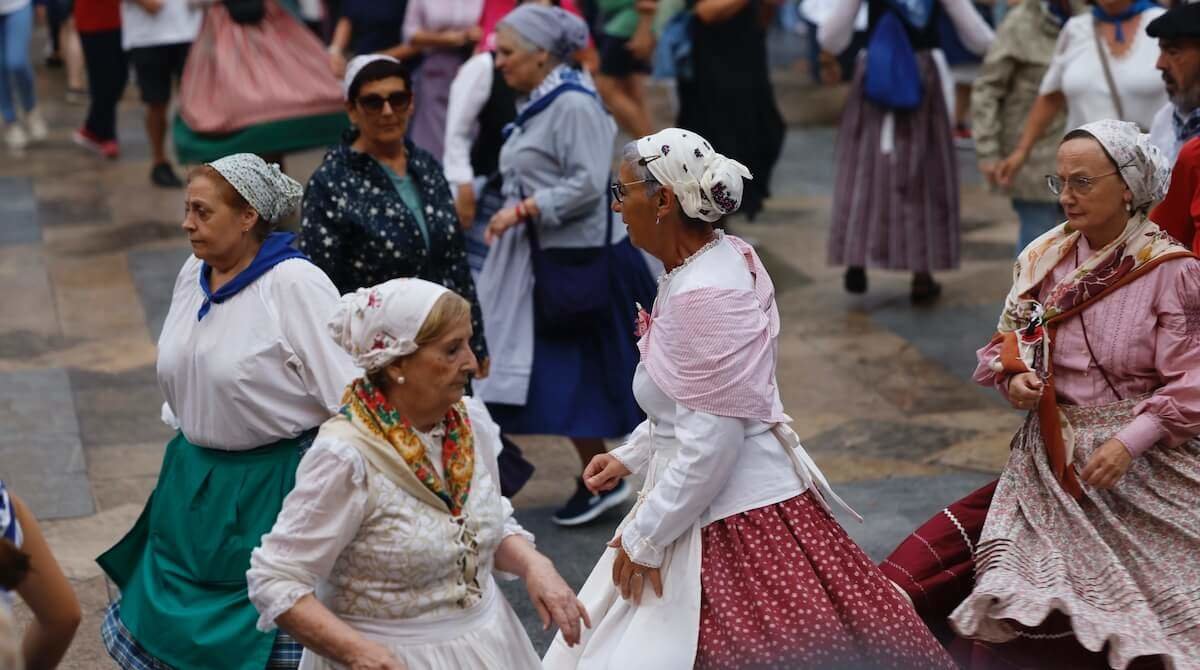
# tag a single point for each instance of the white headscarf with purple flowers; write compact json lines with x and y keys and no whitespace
{"x":707,"y":184}
{"x":1145,"y":170}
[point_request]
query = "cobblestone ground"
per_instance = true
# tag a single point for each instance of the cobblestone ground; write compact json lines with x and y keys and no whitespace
{"x":880,"y":391}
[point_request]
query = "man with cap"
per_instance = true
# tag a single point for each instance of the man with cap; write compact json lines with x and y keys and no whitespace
{"x":1178,"y":123}
{"x":1178,"y":34}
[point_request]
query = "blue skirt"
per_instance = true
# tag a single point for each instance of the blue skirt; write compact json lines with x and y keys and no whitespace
{"x":582,"y":386}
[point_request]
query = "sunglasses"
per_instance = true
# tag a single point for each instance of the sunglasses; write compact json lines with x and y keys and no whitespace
{"x":373,"y":103}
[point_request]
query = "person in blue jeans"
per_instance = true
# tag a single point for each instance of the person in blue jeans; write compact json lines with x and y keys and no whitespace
{"x":16,"y":26}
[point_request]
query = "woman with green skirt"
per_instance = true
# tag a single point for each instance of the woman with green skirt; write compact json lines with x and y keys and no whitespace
{"x":248,"y":374}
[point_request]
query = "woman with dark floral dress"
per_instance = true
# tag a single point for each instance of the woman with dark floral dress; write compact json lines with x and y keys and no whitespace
{"x":378,"y":207}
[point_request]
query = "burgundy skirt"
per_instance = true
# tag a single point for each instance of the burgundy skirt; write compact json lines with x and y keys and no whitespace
{"x":784,"y":586}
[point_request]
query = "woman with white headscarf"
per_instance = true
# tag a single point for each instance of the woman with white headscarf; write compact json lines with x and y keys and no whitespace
{"x":1085,"y":550}
{"x":397,"y":517}
{"x":559,"y":285}
{"x":248,"y":375}
{"x":731,"y":558}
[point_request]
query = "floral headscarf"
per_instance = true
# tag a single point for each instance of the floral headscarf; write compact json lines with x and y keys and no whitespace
{"x":377,"y":325}
{"x":1145,"y":170}
{"x":708,"y":184}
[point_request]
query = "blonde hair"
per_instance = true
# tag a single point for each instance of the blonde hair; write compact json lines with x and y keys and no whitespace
{"x":450,"y":310}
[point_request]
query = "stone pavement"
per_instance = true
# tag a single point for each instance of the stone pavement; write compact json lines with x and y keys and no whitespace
{"x":880,"y":390}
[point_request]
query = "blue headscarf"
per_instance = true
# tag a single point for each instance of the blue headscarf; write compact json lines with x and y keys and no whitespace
{"x":1136,"y":8}
{"x":276,"y":249}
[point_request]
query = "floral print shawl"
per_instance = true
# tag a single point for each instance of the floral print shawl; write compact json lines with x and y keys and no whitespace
{"x":369,"y":410}
{"x":1027,"y":326}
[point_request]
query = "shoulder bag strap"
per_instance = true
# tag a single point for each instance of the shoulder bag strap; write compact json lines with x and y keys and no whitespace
{"x":1112,"y":85}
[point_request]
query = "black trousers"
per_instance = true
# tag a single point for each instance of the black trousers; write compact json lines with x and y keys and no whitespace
{"x":108,"y":72}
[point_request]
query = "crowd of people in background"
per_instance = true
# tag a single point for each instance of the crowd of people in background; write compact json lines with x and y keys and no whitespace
{"x":474,"y":260}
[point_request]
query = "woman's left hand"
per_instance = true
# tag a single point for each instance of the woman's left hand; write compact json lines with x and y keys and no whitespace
{"x":555,"y":601}
{"x":1107,"y":465}
{"x":500,"y":223}
{"x":630,"y":577}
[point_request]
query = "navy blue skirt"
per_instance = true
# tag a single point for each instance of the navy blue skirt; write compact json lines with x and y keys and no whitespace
{"x":582,"y":385}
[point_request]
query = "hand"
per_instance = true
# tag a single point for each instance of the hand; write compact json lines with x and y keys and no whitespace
{"x":500,"y":223}
{"x":337,"y":64}
{"x":1025,"y":390}
{"x":1008,"y":168}
{"x":646,"y":6}
{"x":371,"y":655}
{"x":1107,"y":465}
{"x":485,"y":368}
{"x":603,"y":473}
{"x":830,"y":69}
{"x":630,"y":577}
{"x":555,"y":601}
{"x":464,"y":204}
{"x":473,"y":34}
{"x":151,"y":6}
{"x":987,"y":168}
{"x":641,"y":44}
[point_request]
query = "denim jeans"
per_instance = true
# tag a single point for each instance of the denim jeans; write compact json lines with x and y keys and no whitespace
{"x":15,"y":30}
{"x":1036,"y":218}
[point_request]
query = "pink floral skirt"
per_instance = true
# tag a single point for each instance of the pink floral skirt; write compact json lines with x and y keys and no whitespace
{"x":783,"y":586}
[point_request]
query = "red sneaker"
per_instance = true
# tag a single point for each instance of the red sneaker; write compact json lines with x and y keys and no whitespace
{"x":86,"y":139}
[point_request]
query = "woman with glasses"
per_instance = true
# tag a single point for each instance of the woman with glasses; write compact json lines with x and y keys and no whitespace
{"x":561,"y":280}
{"x":1085,"y":550}
{"x":731,"y":558}
{"x":379,"y":207}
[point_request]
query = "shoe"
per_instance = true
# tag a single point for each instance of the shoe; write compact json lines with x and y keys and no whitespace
{"x":106,"y":148}
{"x":164,"y":177}
{"x":15,"y":137}
{"x":36,"y":126}
{"x":963,"y":139}
{"x":583,"y":506}
{"x":76,"y":96}
{"x":855,"y":280}
{"x":925,"y":289}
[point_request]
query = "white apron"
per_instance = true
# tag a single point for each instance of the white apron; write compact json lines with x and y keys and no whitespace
{"x":661,"y":633}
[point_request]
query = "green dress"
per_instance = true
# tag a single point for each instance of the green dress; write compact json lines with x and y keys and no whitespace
{"x":182,"y":568}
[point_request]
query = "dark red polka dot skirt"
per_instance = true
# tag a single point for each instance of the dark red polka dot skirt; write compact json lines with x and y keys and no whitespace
{"x":783,"y":586}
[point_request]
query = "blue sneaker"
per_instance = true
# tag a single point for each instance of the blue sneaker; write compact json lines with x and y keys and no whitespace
{"x":584,"y":507}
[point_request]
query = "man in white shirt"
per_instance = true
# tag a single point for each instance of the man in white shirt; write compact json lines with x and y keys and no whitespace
{"x":1178,"y":34}
{"x":157,"y":35}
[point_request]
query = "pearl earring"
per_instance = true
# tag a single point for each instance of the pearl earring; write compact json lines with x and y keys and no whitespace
{"x":1128,"y":206}
{"x":400,"y":379}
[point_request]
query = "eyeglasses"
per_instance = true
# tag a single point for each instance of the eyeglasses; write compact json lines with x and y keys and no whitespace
{"x":618,"y":188}
{"x":1079,"y":185}
{"x":373,"y":103}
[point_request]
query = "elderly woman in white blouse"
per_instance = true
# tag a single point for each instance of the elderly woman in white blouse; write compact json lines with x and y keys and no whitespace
{"x":383,"y":554}
{"x":248,"y":375}
{"x":731,"y":558}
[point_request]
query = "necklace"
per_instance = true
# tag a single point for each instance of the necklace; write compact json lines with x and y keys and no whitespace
{"x":718,"y":235}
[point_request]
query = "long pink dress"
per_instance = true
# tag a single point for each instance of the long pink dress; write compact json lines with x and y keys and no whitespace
{"x":1121,"y":563}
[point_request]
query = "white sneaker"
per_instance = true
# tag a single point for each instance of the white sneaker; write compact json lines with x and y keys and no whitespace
{"x":15,"y":137}
{"x":36,"y":125}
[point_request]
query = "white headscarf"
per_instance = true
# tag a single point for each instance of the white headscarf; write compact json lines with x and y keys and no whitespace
{"x":1145,"y":170}
{"x":356,"y":65}
{"x":377,"y":325}
{"x":708,"y":184}
{"x":269,"y":191}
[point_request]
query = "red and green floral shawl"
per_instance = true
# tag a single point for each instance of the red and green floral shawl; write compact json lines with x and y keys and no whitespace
{"x":368,"y":409}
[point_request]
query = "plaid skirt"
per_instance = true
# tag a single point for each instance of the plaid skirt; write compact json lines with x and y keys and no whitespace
{"x":130,"y":655}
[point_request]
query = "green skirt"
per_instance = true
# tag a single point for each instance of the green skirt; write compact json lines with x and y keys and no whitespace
{"x":274,"y":137}
{"x":182,"y":569}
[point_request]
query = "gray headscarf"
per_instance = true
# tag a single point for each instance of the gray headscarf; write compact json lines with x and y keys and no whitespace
{"x":551,"y":28}
{"x":1145,"y":170}
{"x":269,"y":191}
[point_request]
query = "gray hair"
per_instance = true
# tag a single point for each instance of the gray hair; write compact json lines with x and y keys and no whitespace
{"x":525,"y":46}
{"x":633,"y":158}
